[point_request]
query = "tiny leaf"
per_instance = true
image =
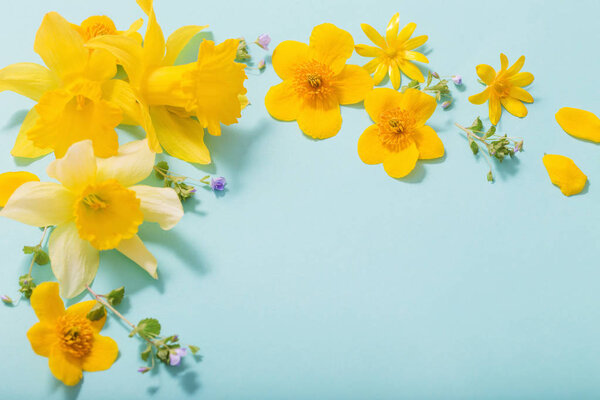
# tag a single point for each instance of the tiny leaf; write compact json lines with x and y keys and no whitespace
{"x":474,"y":147}
{"x":194,"y":349}
{"x":148,"y":328}
{"x":146,"y":353}
{"x":115,"y":297}
{"x":97,"y":312}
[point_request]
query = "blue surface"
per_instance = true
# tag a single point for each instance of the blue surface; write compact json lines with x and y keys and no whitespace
{"x":317,"y":276}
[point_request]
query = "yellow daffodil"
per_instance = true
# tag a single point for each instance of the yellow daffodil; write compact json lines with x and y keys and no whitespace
{"x":71,"y":342}
{"x":10,"y":181}
{"x":504,"y":89}
{"x":399,"y":136}
{"x":316,"y":80}
{"x":96,"y":206}
{"x":565,"y":174}
{"x":100,"y":25}
{"x":168,"y":95}
{"x":394,"y":53}
{"x":76,"y":98}
{"x":579,"y":123}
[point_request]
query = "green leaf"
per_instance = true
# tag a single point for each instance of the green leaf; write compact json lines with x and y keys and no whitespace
{"x":429,"y":77}
{"x":490,"y":177}
{"x":39,"y":256}
{"x":474,"y":147}
{"x":163,"y":166}
{"x":148,"y":328}
{"x":194,"y":349}
{"x":97,"y":312}
{"x":115,"y":297}
{"x":163,"y":355}
{"x":477,"y":125}
{"x":26,"y":285}
{"x":491,"y":132}
{"x":146,"y":353}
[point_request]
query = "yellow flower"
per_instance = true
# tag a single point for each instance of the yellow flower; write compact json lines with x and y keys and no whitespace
{"x":10,"y":181}
{"x":76,"y":99}
{"x":316,"y":80}
{"x":504,"y":89}
{"x":71,"y":342}
{"x":399,"y":136}
{"x":579,"y":123}
{"x":168,"y":95}
{"x":565,"y":174}
{"x":96,"y":206}
{"x":99,"y":25}
{"x":394,"y":52}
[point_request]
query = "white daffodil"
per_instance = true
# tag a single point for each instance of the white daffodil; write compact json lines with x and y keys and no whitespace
{"x":96,"y":206}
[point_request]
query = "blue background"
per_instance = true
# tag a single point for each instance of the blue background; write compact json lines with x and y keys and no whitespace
{"x":317,"y":276}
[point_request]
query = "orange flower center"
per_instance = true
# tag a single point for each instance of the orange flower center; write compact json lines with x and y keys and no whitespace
{"x":75,"y":335}
{"x":313,"y":80}
{"x":501,"y":86}
{"x":97,"y":26}
{"x":396,"y":129}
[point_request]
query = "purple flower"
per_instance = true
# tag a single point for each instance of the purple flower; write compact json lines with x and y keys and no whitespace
{"x":263,"y":41}
{"x":446,"y":104}
{"x":261,"y":65}
{"x":218,"y":184}
{"x":143,"y":370}
{"x":176,"y":355}
{"x":5,"y":299}
{"x":518,"y":146}
{"x":457,"y":79}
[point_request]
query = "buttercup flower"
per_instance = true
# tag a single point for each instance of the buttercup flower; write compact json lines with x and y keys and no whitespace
{"x":168,"y":95}
{"x":399,"y":136}
{"x":10,"y":181}
{"x":565,"y":174}
{"x":579,"y":123}
{"x":394,"y":52}
{"x":96,"y":206}
{"x":316,"y":80}
{"x":71,"y":342}
{"x":76,"y":97}
{"x":504,"y":89}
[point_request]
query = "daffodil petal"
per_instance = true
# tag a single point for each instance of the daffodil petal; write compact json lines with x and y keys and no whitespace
{"x":126,"y":49}
{"x":565,"y":174}
{"x":370,"y":148}
{"x":503,"y":62}
{"x":11,"y":181}
{"x":320,"y":120}
{"x":415,"y":42}
{"x":380,"y":73}
{"x":495,"y":110}
{"x":74,"y":261}
{"x":136,"y":251}
{"x":159,"y":205}
{"x":486,"y":73}
{"x":412,"y":71}
{"x":380,"y":100}
{"x":46,"y":302}
{"x":391,"y":32}
{"x":401,"y":163}
{"x":514,"y":106}
{"x":65,"y":368}
{"x":415,"y":56}
{"x":368,"y":51}
{"x":282,"y":102}
{"x":521,"y":79}
{"x":132,"y":165}
{"x":428,"y":143}
{"x":516,"y":67}
{"x":579,"y":123}
{"x":352,"y":84}
{"x":82,"y":309}
{"x":480,"y":98}
{"x":42,"y":337}
{"x":420,"y":105}
{"x":395,"y":76}
{"x":178,"y":40}
{"x":27,"y":79}
{"x":520,"y":94}
{"x":101,"y":66}
{"x":24,"y":147}
{"x":40,"y":204}
{"x":102,"y":356}
{"x":373,"y":35}
{"x":331,"y":45}
{"x":287,"y":56}
{"x":121,"y":94}
{"x":406,"y":32}
{"x":77,"y":168}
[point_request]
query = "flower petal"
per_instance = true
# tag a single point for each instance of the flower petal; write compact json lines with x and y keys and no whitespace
{"x":579,"y":123}
{"x":352,"y":84}
{"x":40,"y":204}
{"x":121,"y":94}
{"x":178,"y":40}
{"x":565,"y":174}
{"x":133,"y":164}
{"x":126,"y":49}
{"x":154,"y":42}
{"x":495,"y":109}
{"x":420,"y":105}
{"x":102,"y":356}
{"x":428,"y":142}
{"x":395,"y":76}
{"x":27,"y":79}
{"x":136,"y":251}
{"x":282,"y":102}
{"x":401,"y":163}
{"x":320,"y":120}
{"x":65,"y":368}
{"x":516,"y":67}
{"x":391,"y":32}
{"x":370,"y":149}
{"x":74,"y":261}
{"x":380,"y":73}
{"x":331,"y":45}
{"x":77,"y":168}
{"x":101,"y":66}
{"x":159,"y":205}
{"x":82,"y":309}
{"x":520,"y":94}
{"x":415,"y":42}
{"x":486,"y":73}
{"x":287,"y":56}
{"x":367,"y":51}
{"x":503,"y":62}
{"x":480,"y":98}
{"x":406,"y":32}
{"x":380,"y":100}
{"x":42,"y":337}
{"x":415,"y":56}
{"x":514,"y":106}
{"x":371,"y":66}
{"x":373,"y":35}
{"x":46,"y":302}
{"x":411,"y":70}
{"x":11,"y":181}
{"x":23,"y":146}
{"x":521,"y":79}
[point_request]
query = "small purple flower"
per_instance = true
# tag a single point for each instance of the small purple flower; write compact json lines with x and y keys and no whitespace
{"x":176,"y":355}
{"x":261,"y":65}
{"x":457,"y":79}
{"x":518,"y":146}
{"x":218,"y":184}
{"x":263,"y":41}
{"x":143,"y":370}
{"x":435,"y":75}
{"x":446,"y":104}
{"x":5,"y":299}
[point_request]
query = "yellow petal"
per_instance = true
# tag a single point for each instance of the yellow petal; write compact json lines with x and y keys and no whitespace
{"x":486,"y":73}
{"x":102,"y":356}
{"x":415,"y":56}
{"x":46,"y":302}
{"x":520,"y":94}
{"x":287,"y":56}
{"x":380,"y":100}
{"x":380,"y":73}
{"x":101,"y":66}
{"x":320,"y":120}
{"x":65,"y":368}
{"x":160,"y":205}
{"x":282,"y":102}
{"x":480,"y":98}
{"x":503,"y":62}
{"x":401,"y":163}
{"x":331,"y":45}
{"x":516,"y":67}
{"x":395,"y":77}
{"x":420,"y":105}
{"x":373,"y":35}
{"x":133,"y":164}
{"x":352,"y":84}
{"x":23,"y":146}
{"x":27,"y":79}
{"x":368,"y":51}
{"x":579,"y":123}
{"x":412,"y":71}
{"x":415,"y":42}
{"x":126,"y":49}
{"x":154,"y":43}
{"x":145,"y":5}
{"x":121,"y":94}
{"x":495,"y":110}
{"x":82,"y":309}
{"x":514,"y":106}
{"x":406,"y":32}
{"x":136,"y":251}
{"x":178,"y":40}
{"x":42,"y":337}
{"x":60,"y":46}
{"x":77,"y":169}
{"x":370,"y":149}
{"x":565,"y":174}
{"x":428,"y":143}
{"x":371,"y":66}
{"x":521,"y":79}
{"x":11,"y":181}
{"x":391,"y":32}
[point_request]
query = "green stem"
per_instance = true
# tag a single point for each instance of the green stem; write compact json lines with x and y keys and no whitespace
{"x":39,"y":244}
{"x":473,"y":135}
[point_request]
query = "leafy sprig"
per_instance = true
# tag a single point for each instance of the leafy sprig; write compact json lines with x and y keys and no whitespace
{"x":439,"y":89}
{"x":184,"y":186}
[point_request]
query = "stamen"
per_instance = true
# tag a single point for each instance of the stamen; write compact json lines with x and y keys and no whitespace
{"x":395,"y":128}
{"x":75,"y":335}
{"x":81,"y":101}
{"x":94,"y":202}
{"x":314,"y":80}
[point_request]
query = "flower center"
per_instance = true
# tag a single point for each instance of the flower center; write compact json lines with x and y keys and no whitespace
{"x":97,"y":26}
{"x":396,"y":128}
{"x":94,"y":202}
{"x":75,"y":335}
{"x":313,"y":79}
{"x":500,"y":86}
